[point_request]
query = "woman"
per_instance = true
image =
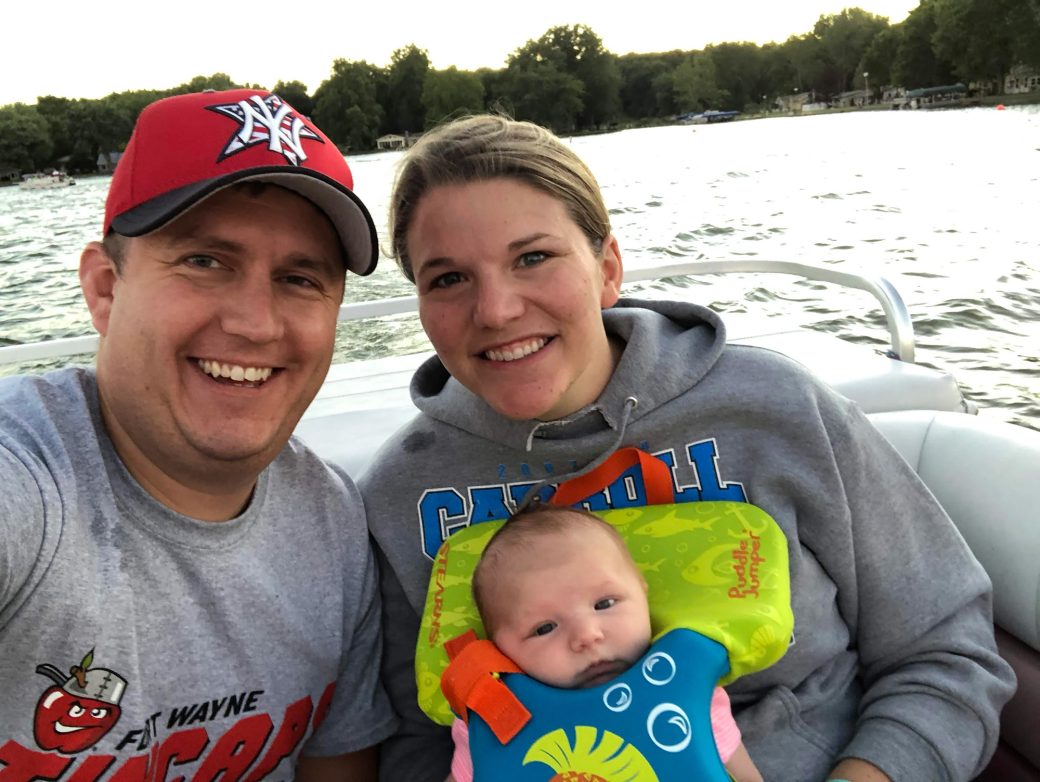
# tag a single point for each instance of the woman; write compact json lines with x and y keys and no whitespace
{"x":542,"y":369}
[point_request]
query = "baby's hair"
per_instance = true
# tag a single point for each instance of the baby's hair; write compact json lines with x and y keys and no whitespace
{"x":533,"y":523}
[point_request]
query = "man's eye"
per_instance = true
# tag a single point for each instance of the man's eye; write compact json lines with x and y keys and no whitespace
{"x":605,"y":603}
{"x":545,"y":629}
{"x":532,"y":258}
{"x":298,"y":279}
{"x":203,"y":262}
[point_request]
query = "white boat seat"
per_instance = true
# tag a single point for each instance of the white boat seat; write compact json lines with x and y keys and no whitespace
{"x":362,"y":403}
{"x":877,"y":383}
{"x":984,"y":473}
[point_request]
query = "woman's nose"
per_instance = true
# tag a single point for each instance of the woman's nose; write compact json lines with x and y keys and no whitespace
{"x":497,"y":303}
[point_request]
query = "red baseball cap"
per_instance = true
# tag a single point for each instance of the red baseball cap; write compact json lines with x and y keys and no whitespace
{"x":187,"y":147}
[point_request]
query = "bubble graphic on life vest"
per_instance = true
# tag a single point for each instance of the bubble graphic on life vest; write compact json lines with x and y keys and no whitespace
{"x":659,"y":668}
{"x":669,"y":727}
{"x":618,"y":698}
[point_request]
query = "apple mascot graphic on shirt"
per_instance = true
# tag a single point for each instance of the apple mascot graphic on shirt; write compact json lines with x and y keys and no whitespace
{"x":80,"y":709}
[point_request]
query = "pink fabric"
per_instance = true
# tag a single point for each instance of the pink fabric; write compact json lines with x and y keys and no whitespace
{"x":461,"y":762}
{"x":723,"y":727}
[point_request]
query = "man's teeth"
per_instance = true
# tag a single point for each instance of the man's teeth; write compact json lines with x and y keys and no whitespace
{"x":517,"y":351}
{"x":234,"y":371}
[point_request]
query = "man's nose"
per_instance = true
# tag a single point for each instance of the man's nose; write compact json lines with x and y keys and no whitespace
{"x":252,"y":311}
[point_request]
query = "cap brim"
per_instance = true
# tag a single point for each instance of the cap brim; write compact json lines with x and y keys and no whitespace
{"x":346,"y":212}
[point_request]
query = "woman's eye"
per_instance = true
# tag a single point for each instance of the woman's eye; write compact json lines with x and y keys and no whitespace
{"x":545,"y":629}
{"x":532,"y":258}
{"x":605,"y":603}
{"x":446,"y":280}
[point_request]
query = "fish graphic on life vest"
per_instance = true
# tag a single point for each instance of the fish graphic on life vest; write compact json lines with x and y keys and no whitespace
{"x":79,"y":709}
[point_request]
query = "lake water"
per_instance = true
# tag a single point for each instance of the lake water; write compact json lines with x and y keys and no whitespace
{"x":945,"y":204}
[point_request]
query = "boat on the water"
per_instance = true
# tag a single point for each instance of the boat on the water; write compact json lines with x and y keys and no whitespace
{"x":983,"y":471}
{"x":949,"y":96}
{"x":708,"y":117}
{"x":41,"y":181}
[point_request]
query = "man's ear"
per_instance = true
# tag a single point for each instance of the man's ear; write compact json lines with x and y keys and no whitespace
{"x":97,"y":278}
{"x":613,"y":272}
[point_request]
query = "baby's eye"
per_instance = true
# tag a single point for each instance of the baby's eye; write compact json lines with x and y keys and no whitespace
{"x":605,"y":603}
{"x":545,"y":629}
{"x":532,"y":258}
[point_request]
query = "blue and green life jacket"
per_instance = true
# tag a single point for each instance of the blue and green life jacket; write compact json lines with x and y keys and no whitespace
{"x":719,"y":594}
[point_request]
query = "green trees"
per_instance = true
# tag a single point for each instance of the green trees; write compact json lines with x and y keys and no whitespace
{"x":25,"y":141}
{"x":568,"y":81}
{"x":844,"y":38}
{"x":565,"y":80}
{"x":916,"y":63}
{"x":976,"y":37}
{"x":406,"y":80}
{"x":451,"y":93}
{"x":693,"y":83}
{"x":346,"y":107}
{"x":295,"y":94}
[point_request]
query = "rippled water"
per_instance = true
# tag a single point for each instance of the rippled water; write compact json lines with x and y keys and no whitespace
{"x":942,"y":203}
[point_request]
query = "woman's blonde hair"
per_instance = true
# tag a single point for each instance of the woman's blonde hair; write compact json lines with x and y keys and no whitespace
{"x":488,"y":146}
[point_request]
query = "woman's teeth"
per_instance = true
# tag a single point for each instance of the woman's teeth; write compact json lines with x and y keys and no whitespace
{"x":517,"y":351}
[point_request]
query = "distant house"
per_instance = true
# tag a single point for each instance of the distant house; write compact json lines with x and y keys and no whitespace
{"x":845,"y":100}
{"x":1022,"y":78}
{"x":391,"y":141}
{"x":106,"y":162}
{"x":792,"y":103}
{"x":893,"y":96}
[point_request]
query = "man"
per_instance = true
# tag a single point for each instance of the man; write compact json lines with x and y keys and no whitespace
{"x":185,"y":591}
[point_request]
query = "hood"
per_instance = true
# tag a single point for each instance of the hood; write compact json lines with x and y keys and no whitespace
{"x":674,"y":344}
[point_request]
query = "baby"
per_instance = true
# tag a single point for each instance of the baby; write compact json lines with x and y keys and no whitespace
{"x":559,"y":594}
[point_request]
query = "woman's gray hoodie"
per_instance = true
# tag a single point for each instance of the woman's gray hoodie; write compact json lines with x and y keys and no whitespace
{"x":893,"y":658}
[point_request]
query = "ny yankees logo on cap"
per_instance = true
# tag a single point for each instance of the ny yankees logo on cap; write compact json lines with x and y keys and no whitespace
{"x":266,"y":120}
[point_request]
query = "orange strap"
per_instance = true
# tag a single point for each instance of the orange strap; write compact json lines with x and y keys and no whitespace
{"x":656,"y":477}
{"x":469,"y":683}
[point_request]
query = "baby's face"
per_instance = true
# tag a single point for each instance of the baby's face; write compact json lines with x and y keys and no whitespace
{"x":572,"y":610}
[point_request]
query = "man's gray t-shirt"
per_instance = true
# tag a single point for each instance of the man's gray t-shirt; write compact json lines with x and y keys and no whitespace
{"x":131,"y":635}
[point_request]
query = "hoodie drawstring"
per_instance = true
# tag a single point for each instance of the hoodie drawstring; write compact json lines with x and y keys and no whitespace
{"x":631,"y":403}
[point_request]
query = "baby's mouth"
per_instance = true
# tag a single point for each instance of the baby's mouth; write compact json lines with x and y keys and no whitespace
{"x":600,"y":672}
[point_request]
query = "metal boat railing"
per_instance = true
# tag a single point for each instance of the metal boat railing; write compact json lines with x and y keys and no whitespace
{"x":897,"y":317}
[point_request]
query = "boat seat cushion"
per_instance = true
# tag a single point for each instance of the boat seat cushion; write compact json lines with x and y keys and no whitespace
{"x":984,"y":473}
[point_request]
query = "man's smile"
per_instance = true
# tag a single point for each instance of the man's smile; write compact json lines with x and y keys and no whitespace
{"x":234,"y":372}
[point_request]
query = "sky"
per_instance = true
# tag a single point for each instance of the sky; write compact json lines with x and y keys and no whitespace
{"x":73,"y":49}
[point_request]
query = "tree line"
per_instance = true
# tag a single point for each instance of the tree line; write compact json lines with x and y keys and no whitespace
{"x":568,"y":81}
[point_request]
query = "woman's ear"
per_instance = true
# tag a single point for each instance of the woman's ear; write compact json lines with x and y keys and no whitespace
{"x":97,"y":279}
{"x":613,"y":272}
